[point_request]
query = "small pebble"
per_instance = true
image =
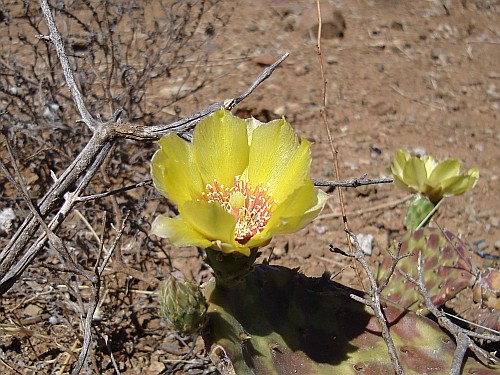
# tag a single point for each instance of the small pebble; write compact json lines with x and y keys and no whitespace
{"x":365,"y":243}
{"x":156,"y":367}
{"x":493,"y":92}
{"x":495,"y":221}
{"x":7,"y":218}
{"x":419,"y":151}
{"x":302,"y":70}
{"x":278,"y":252}
{"x":332,"y":60}
{"x":320,"y":229}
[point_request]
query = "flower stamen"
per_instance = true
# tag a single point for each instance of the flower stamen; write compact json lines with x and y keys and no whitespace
{"x":251,"y":206}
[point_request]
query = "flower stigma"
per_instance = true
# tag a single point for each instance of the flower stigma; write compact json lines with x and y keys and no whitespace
{"x":250,"y":206}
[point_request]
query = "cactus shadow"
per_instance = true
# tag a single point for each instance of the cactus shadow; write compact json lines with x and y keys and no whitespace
{"x":280,"y":314}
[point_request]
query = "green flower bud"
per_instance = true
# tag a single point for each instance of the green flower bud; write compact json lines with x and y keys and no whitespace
{"x":182,"y":305}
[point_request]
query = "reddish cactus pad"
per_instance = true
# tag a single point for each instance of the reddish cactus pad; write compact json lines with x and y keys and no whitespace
{"x":446,"y":268}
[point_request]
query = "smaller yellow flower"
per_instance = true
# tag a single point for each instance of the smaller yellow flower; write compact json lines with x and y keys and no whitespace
{"x":430,"y":178}
{"x":236,"y":185}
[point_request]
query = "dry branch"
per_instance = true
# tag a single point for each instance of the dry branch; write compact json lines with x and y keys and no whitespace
{"x":463,"y":337}
{"x":15,"y":258}
{"x":375,"y":301}
{"x":62,"y":196}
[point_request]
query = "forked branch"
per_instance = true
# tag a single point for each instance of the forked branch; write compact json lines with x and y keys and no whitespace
{"x":16,"y":256}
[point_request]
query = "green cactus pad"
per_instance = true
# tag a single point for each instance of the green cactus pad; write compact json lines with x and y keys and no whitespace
{"x":230,"y":269}
{"x":446,"y":268}
{"x":419,"y":208}
{"x":279,"y":321}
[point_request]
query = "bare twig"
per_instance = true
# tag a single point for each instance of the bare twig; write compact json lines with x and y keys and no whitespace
{"x":87,"y":324}
{"x":330,"y":141}
{"x":353,"y":182}
{"x":106,"y":340}
{"x":12,"y":262}
{"x":469,"y":323}
{"x":55,"y":38}
{"x":94,"y":302}
{"x":395,"y":259}
{"x":115,"y":191}
{"x":375,"y":301}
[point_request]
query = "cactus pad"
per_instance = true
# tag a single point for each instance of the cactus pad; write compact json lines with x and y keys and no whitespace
{"x":446,"y":268}
{"x":281,"y":322}
{"x":419,"y":208}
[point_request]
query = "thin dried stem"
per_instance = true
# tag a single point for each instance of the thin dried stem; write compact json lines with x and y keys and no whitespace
{"x":353,"y":182}
{"x":374,"y":302}
{"x":55,"y":38}
{"x":332,"y":147}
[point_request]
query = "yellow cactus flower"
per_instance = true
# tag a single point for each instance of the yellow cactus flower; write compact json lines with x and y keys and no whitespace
{"x":430,"y":178}
{"x":236,"y":185}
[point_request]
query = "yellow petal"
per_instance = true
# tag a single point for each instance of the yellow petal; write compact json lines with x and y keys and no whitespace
{"x":252,"y":124}
{"x":414,"y":173}
{"x":402,"y":185}
{"x":220,"y":147}
{"x":446,"y":169}
{"x":460,"y":184}
{"x":212,"y":221}
{"x":314,"y":211}
{"x":399,"y":162}
{"x":174,"y":172}
{"x":430,"y":163}
{"x":288,"y":215}
{"x":301,"y":206}
{"x":231,"y":248}
{"x":178,"y":232}
{"x":276,"y":158}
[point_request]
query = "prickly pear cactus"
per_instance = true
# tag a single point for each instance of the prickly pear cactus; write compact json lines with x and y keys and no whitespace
{"x":231,"y":268}
{"x":419,"y":208}
{"x":445,"y":263}
{"x":280,"y":322}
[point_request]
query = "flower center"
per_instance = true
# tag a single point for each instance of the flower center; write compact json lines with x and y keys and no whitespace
{"x":251,"y":206}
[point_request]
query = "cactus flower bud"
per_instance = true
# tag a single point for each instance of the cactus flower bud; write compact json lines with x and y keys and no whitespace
{"x":182,"y":305}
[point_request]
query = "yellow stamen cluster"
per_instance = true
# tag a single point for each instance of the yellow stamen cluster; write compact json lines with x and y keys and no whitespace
{"x":251,"y":207}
